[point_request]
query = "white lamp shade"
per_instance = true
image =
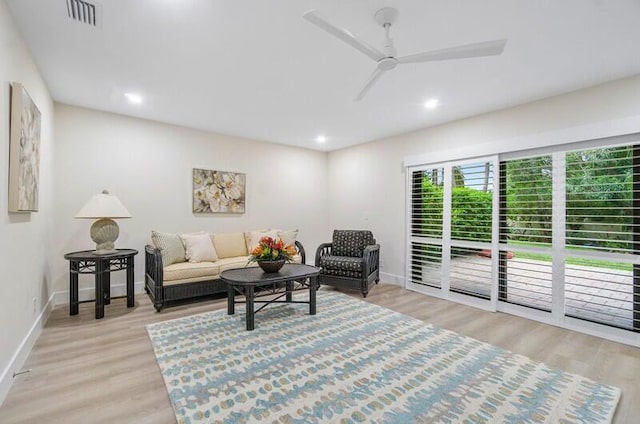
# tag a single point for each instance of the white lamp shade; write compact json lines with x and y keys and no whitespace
{"x":103,"y":205}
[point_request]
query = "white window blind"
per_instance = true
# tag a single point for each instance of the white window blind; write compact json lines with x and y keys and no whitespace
{"x":426,"y":202}
{"x":525,"y":267}
{"x":471,"y":202}
{"x":600,"y":210}
{"x":470,"y":271}
{"x":426,"y":264}
{"x":602,"y":293}
{"x":602,"y":283}
{"x":562,"y":237}
{"x":426,"y":227}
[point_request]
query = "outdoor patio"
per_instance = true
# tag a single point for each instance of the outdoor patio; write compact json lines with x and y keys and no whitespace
{"x":597,"y":294}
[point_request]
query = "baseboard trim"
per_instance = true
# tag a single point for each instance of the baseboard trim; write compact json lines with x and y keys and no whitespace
{"x":396,"y":280}
{"x":22,"y":353}
{"x":88,"y":293}
{"x":57,"y":298}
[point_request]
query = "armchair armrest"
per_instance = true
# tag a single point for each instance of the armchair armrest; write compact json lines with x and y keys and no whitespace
{"x":301,"y":252}
{"x":153,"y":265}
{"x":371,"y":257}
{"x":323,"y":249}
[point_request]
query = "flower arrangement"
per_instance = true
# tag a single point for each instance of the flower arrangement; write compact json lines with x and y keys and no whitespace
{"x":270,"y":249}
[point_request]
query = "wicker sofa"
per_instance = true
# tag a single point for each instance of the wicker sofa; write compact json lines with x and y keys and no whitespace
{"x":171,"y":276}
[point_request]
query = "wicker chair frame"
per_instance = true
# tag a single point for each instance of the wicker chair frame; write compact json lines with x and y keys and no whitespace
{"x":370,"y":274}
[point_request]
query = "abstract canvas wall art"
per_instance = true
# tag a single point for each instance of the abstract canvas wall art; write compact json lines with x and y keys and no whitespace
{"x":24,"y":151}
{"x":218,"y":191}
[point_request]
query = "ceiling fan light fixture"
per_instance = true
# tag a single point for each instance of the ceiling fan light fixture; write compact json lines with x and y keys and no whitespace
{"x":432,"y":104}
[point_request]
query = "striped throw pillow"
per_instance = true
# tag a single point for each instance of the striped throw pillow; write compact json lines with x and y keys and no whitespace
{"x":171,"y":247}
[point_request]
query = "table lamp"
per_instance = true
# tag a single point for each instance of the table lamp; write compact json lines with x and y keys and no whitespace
{"x":104,"y":232}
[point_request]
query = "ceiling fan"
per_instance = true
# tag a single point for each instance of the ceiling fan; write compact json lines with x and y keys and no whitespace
{"x":387,"y":60}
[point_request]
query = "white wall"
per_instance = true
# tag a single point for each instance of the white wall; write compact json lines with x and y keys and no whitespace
{"x":25,"y":272}
{"x":148,"y":166}
{"x":367,"y":182}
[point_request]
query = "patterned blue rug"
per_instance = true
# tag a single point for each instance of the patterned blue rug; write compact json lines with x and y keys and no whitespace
{"x":357,"y":362}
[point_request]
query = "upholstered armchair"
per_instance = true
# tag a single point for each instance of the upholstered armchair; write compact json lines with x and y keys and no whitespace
{"x":350,"y":261}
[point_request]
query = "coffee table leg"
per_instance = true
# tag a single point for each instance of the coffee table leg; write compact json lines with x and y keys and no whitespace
{"x":231,"y":299}
{"x":289,"y":297}
{"x":312,"y":295}
{"x":248,"y":293}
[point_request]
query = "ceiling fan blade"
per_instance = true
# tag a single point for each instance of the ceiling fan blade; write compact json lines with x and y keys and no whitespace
{"x":344,"y":35}
{"x":486,"y":48}
{"x":370,"y":82}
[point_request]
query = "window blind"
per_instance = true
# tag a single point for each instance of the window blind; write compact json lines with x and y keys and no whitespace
{"x":426,"y":202}
{"x":471,"y":202}
{"x":600,"y":210}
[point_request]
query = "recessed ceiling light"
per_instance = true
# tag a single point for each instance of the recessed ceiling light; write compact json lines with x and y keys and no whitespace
{"x":321,"y":139}
{"x":133,"y":98}
{"x":431,"y":103}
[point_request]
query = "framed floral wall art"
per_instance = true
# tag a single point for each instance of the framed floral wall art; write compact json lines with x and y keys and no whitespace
{"x":218,"y":191}
{"x":24,"y":151}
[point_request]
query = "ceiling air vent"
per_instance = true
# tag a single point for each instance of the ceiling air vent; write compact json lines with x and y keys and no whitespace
{"x":84,"y":12}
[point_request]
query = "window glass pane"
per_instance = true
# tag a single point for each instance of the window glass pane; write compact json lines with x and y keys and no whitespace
{"x":471,"y":202}
{"x":470,"y":271}
{"x":426,"y":203}
{"x":599,"y":199}
{"x":426,"y":264}
{"x":527,"y":190}
{"x":600,"y":291}
{"x":525,"y":279}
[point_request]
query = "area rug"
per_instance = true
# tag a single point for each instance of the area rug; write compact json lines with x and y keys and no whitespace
{"x":356,"y":362}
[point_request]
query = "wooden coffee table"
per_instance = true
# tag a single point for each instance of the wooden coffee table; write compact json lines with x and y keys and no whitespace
{"x":245,"y":281}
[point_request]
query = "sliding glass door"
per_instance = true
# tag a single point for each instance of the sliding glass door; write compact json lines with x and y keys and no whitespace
{"x":555,"y":232}
{"x":452,"y":229}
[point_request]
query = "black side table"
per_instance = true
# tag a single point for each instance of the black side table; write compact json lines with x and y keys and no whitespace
{"x":87,"y":262}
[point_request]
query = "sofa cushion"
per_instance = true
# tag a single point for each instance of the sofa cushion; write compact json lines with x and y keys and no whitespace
{"x":235,"y":262}
{"x":189,"y":280}
{"x":345,"y":266}
{"x":199,"y":248}
{"x":185,"y":270}
{"x":229,"y":245}
{"x":170,"y":245}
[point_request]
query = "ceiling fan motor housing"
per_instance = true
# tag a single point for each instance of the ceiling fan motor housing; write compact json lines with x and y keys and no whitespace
{"x":386,"y":16}
{"x":387,"y":63}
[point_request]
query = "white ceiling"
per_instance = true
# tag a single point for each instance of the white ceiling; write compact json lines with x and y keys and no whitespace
{"x":257,"y":69}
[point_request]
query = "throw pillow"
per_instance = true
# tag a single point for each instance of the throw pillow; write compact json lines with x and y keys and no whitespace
{"x":247,"y":238}
{"x":288,"y":236}
{"x":170,"y":245}
{"x":255,"y":237}
{"x":199,"y":248}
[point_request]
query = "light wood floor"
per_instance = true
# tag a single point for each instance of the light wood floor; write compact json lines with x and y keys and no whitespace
{"x":104,"y":371}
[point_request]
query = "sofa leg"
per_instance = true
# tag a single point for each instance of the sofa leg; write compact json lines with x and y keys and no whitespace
{"x":158,"y":306}
{"x":377,"y":280}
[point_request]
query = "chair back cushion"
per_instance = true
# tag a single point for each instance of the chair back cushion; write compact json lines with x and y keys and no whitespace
{"x":351,"y":242}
